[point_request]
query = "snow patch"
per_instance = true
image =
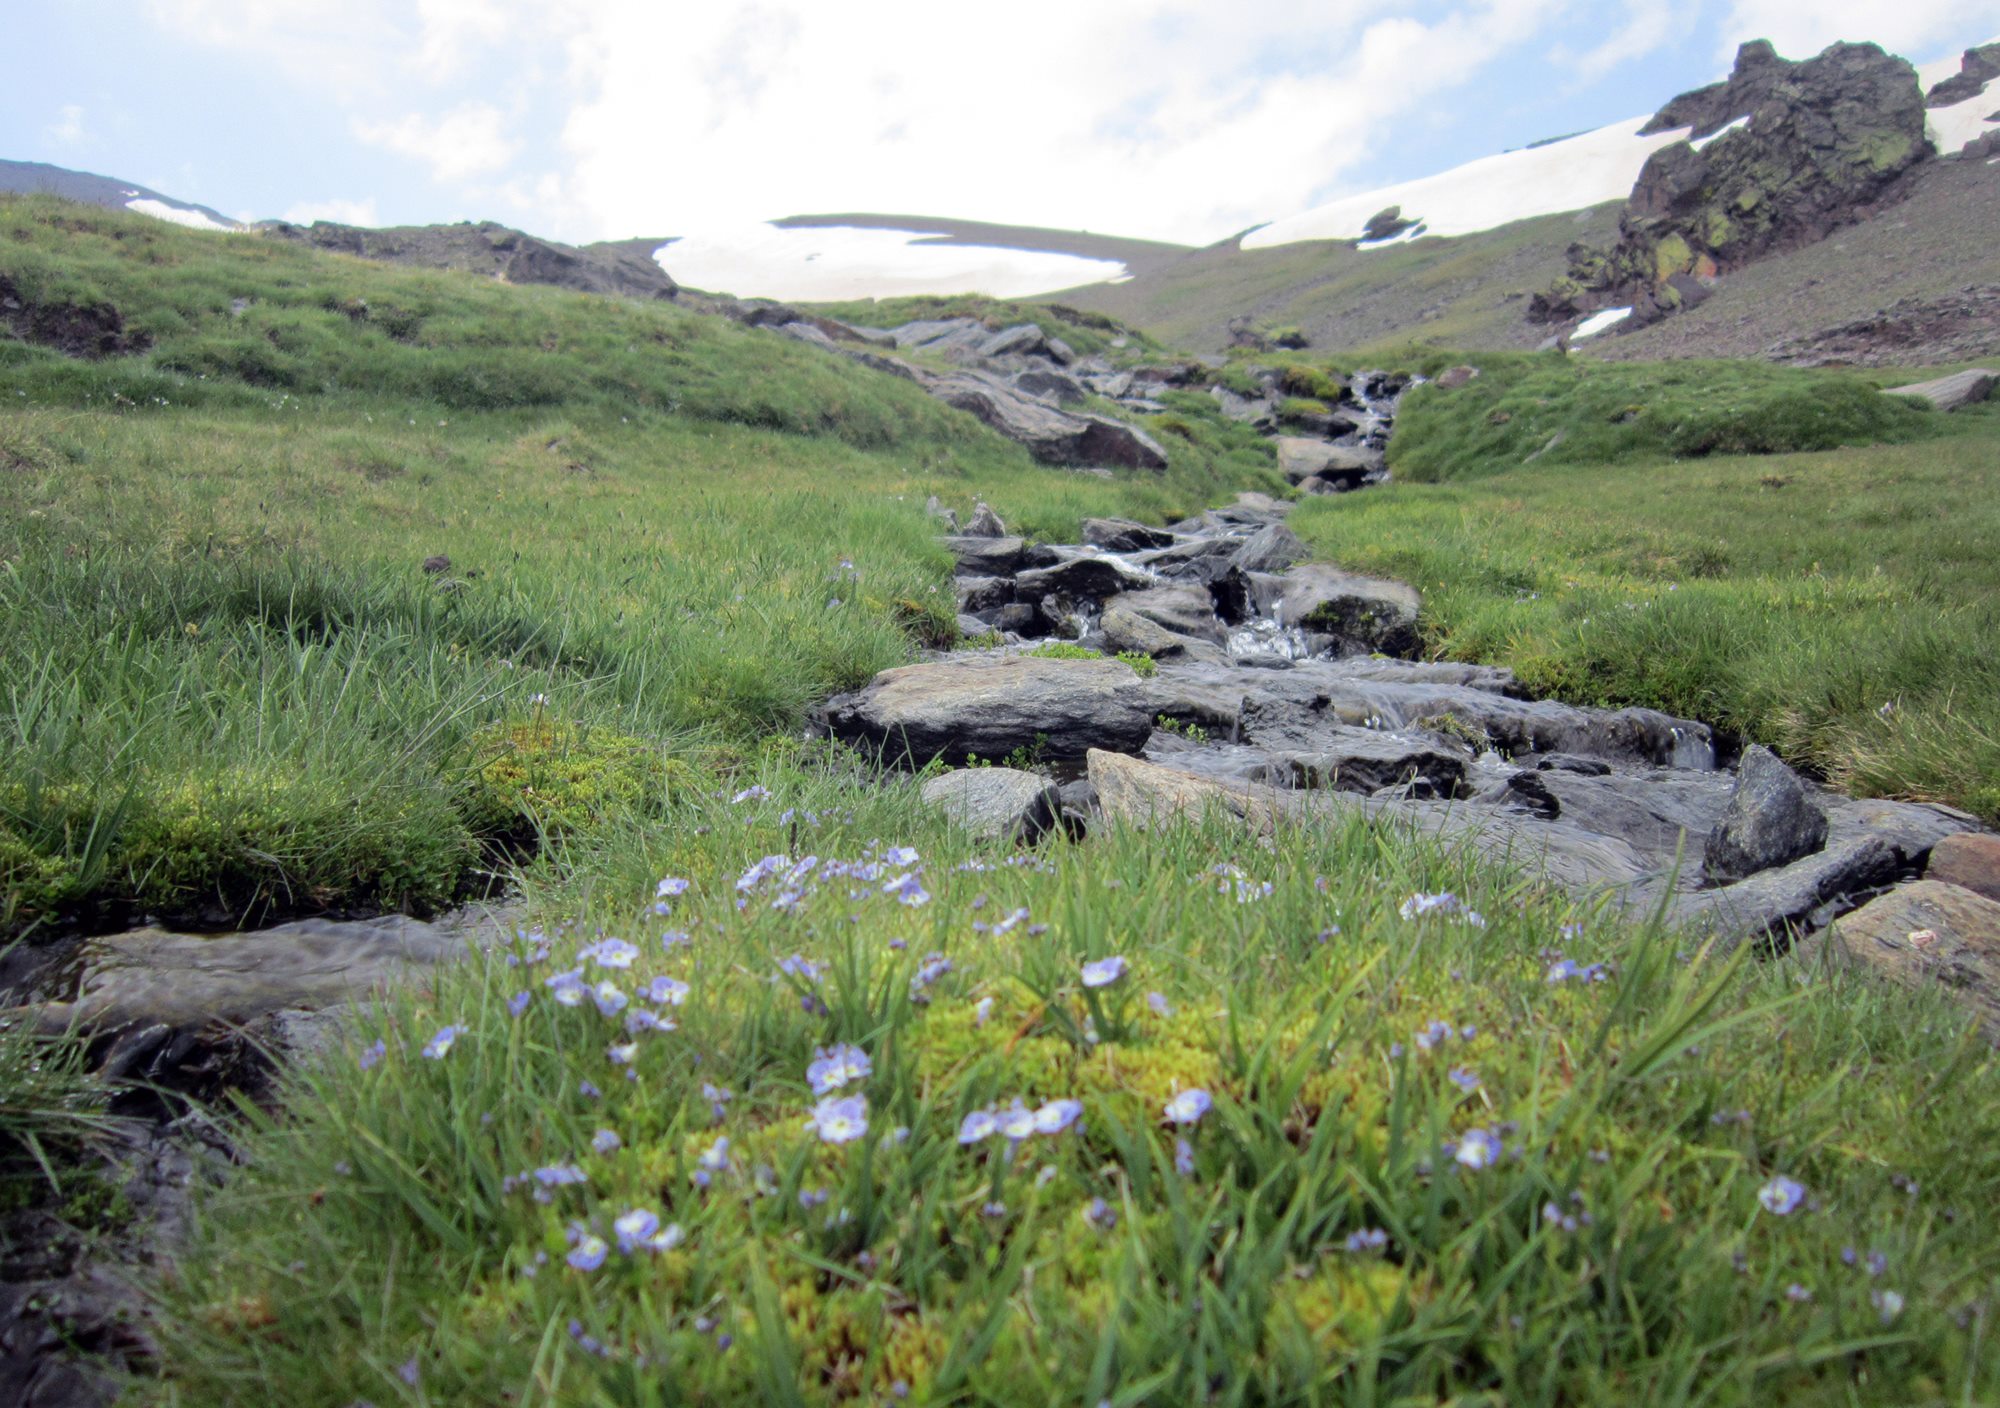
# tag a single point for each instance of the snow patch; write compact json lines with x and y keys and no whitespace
{"x":1701,"y":143}
{"x":1953,"y":129}
{"x":1598,"y":322}
{"x":827,"y":263}
{"x":1415,"y":232}
{"x":193,"y":219}
{"x":1572,"y":174}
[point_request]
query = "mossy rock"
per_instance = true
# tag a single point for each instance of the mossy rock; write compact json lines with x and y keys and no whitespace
{"x":561,"y":777}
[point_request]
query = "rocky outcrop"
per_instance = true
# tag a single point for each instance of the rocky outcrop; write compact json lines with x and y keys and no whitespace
{"x":1977,"y":68}
{"x":1051,"y":435}
{"x":1268,"y":705}
{"x":1954,"y":392}
{"x":1771,"y":821}
{"x":1781,"y":154}
{"x":495,"y":251}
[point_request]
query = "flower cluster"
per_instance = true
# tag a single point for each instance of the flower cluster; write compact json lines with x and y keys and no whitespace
{"x":1017,"y":1123}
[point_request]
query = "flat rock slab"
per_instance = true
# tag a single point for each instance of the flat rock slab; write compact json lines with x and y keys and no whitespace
{"x":1929,"y":934}
{"x":1133,"y":792}
{"x":1951,"y":393}
{"x":153,"y":977}
{"x":989,"y":705}
{"x":1124,"y":535}
{"x":996,"y":804}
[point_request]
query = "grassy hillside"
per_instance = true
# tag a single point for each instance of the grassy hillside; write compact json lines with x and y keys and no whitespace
{"x":1469,"y":292}
{"x":215,"y":548}
{"x":1434,"y":1157}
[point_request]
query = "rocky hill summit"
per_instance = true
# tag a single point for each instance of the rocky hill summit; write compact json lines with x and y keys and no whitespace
{"x":1778,"y":155}
{"x":495,"y":250}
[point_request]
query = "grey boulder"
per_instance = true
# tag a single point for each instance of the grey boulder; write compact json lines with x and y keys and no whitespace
{"x":996,"y":804}
{"x":1771,"y":821}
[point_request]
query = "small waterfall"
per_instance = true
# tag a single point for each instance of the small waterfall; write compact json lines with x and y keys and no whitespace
{"x":1693,"y":751}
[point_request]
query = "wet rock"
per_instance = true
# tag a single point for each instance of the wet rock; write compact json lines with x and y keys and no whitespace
{"x":1197,"y":559}
{"x":1127,"y":626}
{"x":996,"y":804}
{"x":1929,"y":935}
{"x":989,"y":705}
{"x":1123,"y":535}
{"x":1364,"y":760}
{"x":1364,"y":614}
{"x":1954,"y":392}
{"x":1567,"y":762}
{"x":1183,"y":610}
{"x":1090,"y":579}
{"x":994,"y":557}
{"x":1272,"y":548}
{"x":1771,"y":821}
{"x":977,"y":594}
{"x":1300,"y":459}
{"x":1970,"y":861}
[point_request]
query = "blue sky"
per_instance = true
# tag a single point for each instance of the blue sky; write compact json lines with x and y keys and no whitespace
{"x":589,"y":119}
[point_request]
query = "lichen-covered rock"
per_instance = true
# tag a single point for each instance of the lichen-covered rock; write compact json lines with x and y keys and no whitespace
{"x":996,"y":804}
{"x":1782,"y":154}
{"x":1771,"y":821}
{"x":1954,"y":392}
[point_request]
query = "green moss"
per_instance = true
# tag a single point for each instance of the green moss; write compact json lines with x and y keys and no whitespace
{"x":1298,"y":408}
{"x":564,"y":778}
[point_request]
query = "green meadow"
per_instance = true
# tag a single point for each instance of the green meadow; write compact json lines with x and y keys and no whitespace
{"x":787,"y":1091}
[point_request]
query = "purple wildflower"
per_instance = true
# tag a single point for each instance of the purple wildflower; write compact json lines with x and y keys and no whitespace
{"x":606,"y":1141}
{"x":610,"y":953}
{"x":1462,"y":1078}
{"x":1183,"y":1158}
{"x":669,"y":992}
{"x":609,"y":997}
{"x":1103,"y":972}
{"x":518,"y":1003}
{"x":1368,"y":1239}
{"x":1478,"y":1148}
{"x":589,"y":1252}
{"x":373,"y":1053}
{"x":1057,"y":1116}
{"x":1189,"y":1106}
{"x":1781,"y":1195}
{"x":1100,"y":1215}
{"x":837,"y":1066}
{"x":840,"y":1120}
{"x":978,"y":1125}
{"x":442,"y":1042}
{"x":1158,"y":1002}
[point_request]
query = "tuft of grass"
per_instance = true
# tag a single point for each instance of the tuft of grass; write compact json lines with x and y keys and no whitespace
{"x":1571,"y":410}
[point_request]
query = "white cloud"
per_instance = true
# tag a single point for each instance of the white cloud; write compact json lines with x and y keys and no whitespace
{"x":1639,"y":36}
{"x":68,"y":126}
{"x":1920,"y":29}
{"x":1167,"y":117}
{"x":470,"y":140}
{"x":340,"y":212}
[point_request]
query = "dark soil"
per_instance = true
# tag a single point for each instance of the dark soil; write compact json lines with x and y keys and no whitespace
{"x":87,"y":330}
